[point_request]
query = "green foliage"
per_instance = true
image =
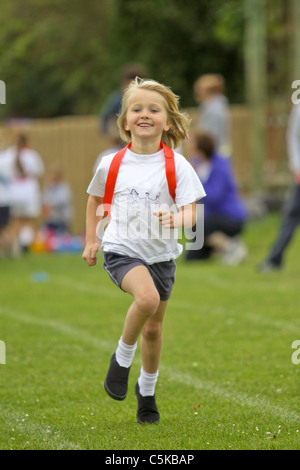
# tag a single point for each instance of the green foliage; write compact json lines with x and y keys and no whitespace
{"x":52,"y":56}
{"x":177,"y":41}
{"x":61,"y":57}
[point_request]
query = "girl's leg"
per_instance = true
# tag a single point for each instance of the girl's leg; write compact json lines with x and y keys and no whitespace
{"x":152,"y":337}
{"x":151,"y":344}
{"x":139,"y":283}
{"x":145,"y":315}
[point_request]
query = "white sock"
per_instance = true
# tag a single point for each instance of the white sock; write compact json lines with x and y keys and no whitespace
{"x":125,"y":353}
{"x":147,"y":383}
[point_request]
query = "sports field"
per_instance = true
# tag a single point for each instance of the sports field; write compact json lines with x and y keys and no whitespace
{"x":227,"y":380}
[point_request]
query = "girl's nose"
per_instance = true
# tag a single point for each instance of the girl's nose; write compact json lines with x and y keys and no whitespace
{"x":145,"y":113}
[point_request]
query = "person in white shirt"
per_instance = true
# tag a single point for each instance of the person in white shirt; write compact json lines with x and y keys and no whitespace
{"x":214,"y":111}
{"x":27,"y":168}
{"x":57,"y":202}
{"x":140,"y":242}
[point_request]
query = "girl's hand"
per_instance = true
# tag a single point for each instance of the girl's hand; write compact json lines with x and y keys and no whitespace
{"x":90,"y":253}
{"x":186,"y":217}
{"x":166,"y":218}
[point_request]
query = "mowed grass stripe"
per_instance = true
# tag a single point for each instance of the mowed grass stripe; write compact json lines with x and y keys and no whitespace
{"x":84,"y":287}
{"x":57,"y":326}
{"x":257,"y":318}
{"x":260,"y":404}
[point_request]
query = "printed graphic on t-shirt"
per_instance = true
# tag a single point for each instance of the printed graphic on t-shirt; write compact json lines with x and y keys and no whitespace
{"x":140,"y":207}
{"x":144,"y":199}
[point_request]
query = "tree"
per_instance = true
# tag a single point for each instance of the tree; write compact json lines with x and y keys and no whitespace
{"x":53,"y":54}
{"x":60,"y":57}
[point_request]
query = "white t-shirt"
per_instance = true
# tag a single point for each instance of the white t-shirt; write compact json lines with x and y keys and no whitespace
{"x":142,"y":188}
{"x":25,"y":190}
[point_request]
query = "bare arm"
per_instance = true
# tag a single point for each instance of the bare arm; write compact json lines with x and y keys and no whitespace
{"x":185,"y":218}
{"x":92,"y":220}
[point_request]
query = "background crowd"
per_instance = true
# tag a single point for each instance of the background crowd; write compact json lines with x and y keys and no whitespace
{"x":36,"y":204}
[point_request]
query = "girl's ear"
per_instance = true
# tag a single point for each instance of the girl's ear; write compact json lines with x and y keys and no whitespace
{"x":167,"y":127}
{"x":126,"y":127}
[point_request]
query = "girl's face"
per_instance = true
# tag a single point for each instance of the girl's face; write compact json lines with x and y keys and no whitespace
{"x":146,"y":116}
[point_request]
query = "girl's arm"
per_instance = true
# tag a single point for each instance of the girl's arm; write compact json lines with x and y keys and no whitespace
{"x":187,"y":217}
{"x":93,"y":218}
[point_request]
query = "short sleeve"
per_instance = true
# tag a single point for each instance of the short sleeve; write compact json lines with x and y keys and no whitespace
{"x":189,"y":187}
{"x":97,"y":184}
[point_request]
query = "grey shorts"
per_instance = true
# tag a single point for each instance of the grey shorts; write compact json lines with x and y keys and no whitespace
{"x":163,"y":274}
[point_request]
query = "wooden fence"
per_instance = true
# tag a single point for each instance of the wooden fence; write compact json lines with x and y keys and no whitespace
{"x":75,"y":142}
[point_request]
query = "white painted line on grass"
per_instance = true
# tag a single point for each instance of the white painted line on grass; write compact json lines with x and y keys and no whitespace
{"x":57,"y":326}
{"x":178,"y":304}
{"x":172,"y":374}
{"x":22,"y":425}
{"x":84,"y":287}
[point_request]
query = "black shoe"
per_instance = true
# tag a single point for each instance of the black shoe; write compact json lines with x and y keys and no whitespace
{"x":147,"y":411}
{"x":267,"y":266}
{"x":116,"y":381}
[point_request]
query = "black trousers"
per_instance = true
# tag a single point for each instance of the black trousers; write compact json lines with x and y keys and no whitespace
{"x":213,"y":224}
{"x":290,"y":221}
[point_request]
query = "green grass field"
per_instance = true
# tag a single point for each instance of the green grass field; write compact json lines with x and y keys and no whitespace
{"x":226,"y":379}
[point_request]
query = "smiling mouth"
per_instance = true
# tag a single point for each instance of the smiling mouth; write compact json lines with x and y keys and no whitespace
{"x":143,"y":124}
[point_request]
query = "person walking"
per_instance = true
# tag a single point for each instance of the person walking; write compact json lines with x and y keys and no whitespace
{"x":291,"y":216}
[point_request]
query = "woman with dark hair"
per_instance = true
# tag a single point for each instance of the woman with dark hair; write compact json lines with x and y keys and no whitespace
{"x":224,"y":211}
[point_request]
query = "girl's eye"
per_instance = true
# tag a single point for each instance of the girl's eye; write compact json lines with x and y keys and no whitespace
{"x":154,"y":111}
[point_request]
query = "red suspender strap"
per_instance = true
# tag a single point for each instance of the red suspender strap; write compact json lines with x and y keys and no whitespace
{"x":114,"y":170}
{"x":112,"y":178}
{"x":170,"y":169}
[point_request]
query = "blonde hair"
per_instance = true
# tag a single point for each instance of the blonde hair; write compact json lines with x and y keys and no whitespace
{"x":179,"y":121}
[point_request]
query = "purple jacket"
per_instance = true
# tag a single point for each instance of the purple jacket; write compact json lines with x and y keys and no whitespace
{"x":222,"y":196}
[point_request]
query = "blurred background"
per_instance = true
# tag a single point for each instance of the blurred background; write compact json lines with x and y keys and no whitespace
{"x":61,"y":60}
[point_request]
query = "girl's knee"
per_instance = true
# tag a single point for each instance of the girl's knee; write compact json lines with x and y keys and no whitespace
{"x":148,"y":302}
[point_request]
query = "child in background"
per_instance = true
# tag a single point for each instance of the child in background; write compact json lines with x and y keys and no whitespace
{"x":140,"y":243}
{"x":28,"y":168}
{"x":57,"y":202}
